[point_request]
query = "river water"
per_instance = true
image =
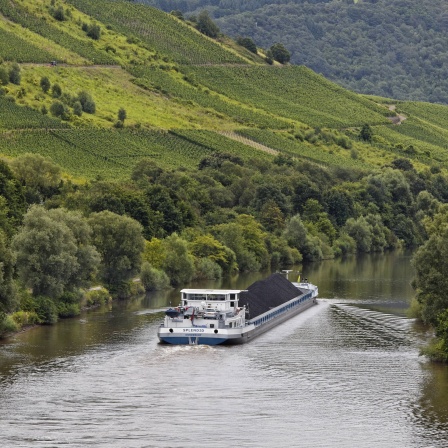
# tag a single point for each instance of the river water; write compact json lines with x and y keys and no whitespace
{"x":345,"y":373}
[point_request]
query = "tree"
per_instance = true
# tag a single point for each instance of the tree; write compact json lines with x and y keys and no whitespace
{"x":120,"y":242}
{"x":295,"y":232}
{"x":206,"y":246}
{"x":7,"y":262}
{"x":205,"y":25}
{"x":60,"y":110}
{"x":46,"y":253}
{"x":77,"y":108}
{"x":59,"y":14}
{"x":431,"y":280}
{"x":153,"y":279}
{"x":14,"y":74}
{"x":4,"y":76}
{"x":122,"y":115}
{"x":56,"y":90}
{"x":178,"y":263}
{"x":94,"y":32}
{"x":45,"y":84}
{"x":86,"y":100}
{"x":360,"y":231}
{"x":247,"y":43}
{"x":36,"y":172}
{"x":86,"y":254}
{"x":280,"y":53}
{"x":178,"y":14}
{"x":366,"y":133}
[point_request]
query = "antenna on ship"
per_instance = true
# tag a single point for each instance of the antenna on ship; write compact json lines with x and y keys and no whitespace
{"x":287,"y":271}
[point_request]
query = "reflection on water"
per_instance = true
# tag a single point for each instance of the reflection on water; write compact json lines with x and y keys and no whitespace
{"x":345,"y":373}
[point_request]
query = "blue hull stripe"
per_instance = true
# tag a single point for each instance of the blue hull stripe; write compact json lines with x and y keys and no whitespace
{"x":195,"y":340}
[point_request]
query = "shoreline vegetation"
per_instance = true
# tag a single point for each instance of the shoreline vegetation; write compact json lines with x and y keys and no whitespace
{"x":163,"y":149}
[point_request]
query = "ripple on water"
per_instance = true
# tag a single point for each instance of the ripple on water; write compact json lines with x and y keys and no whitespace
{"x":336,"y":375}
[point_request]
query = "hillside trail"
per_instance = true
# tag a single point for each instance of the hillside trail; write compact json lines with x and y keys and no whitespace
{"x":246,"y":141}
{"x":398,"y":119}
{"x":63,"y":64}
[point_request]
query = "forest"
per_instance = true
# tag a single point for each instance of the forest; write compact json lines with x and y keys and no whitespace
{"x":141,"y":151}
{"x":392,"y":49}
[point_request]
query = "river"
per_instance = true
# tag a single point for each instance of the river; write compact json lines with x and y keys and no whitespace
{"x":345,"y":373}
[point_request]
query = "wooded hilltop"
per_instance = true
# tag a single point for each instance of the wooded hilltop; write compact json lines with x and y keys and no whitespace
{"x":136,"y":143}
{"x":394,"y":49}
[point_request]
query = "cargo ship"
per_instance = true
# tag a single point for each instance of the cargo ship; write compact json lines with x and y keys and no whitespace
{"x":233,"y":316}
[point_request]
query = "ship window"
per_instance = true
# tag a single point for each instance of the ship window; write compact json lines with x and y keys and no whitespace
{"x":232,"y":303}
{"x":212,"y":325}
{"x":230,"y":325}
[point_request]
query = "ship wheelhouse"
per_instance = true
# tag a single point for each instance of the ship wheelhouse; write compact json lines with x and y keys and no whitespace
{"x":213,"y":300}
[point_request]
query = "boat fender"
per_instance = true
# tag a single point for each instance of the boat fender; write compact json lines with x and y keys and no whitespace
{"x":171,"y":330}
{"x":216,"y":331}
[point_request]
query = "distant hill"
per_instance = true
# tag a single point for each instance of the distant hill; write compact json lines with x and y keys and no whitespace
{"x":185,"y":96}
{"x":389,"y":48}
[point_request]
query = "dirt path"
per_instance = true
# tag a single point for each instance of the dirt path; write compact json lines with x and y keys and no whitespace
{"x":398,"y":119}
{"x":248,"y":142}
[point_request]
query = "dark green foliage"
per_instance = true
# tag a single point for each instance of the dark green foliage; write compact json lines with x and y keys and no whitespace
{"x":120,"y":242}
{"x":366,"y":133}
{"x":8,"y":298}
{"x":60,"y":110}
{"x":402,"y":164}
{"x":53,"y":251}
{"x":247,"y":43}
{"x":206,"y":26}
{"x":77,"y":108}
{"x":58,"y":13}
{"x":372,"y":48}
{"x":178,"y":14}
{"x":94,"y":32}
{"x":46,"y":310}
{"x":122,"y":115}
{"x":4,"y":76}
{"x":56,"y":90}
{"x":14,"y":74}
{"x":45,"y":84}
{"x":87,"y":103}
{"x":153,"y":279}
{"x":280,"y":53}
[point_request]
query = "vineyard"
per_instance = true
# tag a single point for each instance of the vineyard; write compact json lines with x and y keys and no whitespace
{"x":18,"y":13}
{"x":434,"y":114}
{"x":13,"y":48}
{"x":161,"y":81}
{"x":287,"y":144}
{"x":13,"y":116}
{"x":179,"y":114}
{"x":292,"y":92}
{"x":417,"y":140}
{"x":158,"y":31}
{"x":111,"y":154}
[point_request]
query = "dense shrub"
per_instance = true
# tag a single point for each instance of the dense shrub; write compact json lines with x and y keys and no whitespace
{"x":47,"y":310}
{"x":96,"y":297}
{"x":7,"y":325}
{"x":207,"y":269}
{"x":153,"y":279}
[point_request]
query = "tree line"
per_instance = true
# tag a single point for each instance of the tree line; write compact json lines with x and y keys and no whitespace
{"x":168,"y":227}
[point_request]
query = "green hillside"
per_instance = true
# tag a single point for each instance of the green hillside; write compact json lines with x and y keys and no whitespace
{"x":129,"y":136}
{"x":389,"y":48}
{"x":171,"y":79}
